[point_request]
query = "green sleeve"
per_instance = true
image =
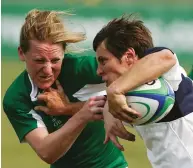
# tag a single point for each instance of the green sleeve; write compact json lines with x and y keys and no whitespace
{"x":21,"y":115}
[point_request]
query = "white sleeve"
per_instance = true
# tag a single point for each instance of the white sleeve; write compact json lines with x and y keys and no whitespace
{"x":174,"y":75}
{"x":90,"y":90}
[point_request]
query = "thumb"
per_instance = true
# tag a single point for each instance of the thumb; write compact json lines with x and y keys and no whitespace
{"x":59,"y":87}
{"x":42,"y":97}
{"x":42,"y":108}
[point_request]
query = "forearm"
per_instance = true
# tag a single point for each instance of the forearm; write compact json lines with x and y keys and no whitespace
{"x":146,"y":69}
{"x":56,"y":144}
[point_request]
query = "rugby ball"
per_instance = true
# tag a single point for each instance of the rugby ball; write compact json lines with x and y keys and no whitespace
{"x":153,"y":100}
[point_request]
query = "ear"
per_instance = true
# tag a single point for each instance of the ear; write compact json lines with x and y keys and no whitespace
{"x":21,"y":54}
{"x":130,"y":56}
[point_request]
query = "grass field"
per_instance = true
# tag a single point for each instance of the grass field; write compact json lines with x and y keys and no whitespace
{"x":16,"y":155}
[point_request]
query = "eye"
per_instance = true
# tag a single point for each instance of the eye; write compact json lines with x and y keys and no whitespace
{"x":39,"y":61}
{"x":56,"y":60}
{"x":102,"y":60}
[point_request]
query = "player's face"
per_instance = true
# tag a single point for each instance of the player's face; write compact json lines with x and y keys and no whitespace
{"x":43,"y":62}
{"x":109,"y":67}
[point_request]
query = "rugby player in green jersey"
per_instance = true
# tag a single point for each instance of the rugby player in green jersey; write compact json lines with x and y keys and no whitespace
{"x":59,"y":140}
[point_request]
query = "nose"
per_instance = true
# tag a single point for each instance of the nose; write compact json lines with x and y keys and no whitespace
{"x":99,"y":71}
{"x":47,"y":69}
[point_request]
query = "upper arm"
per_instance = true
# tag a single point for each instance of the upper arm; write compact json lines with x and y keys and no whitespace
{"x":163,"y":54}
{"x":27,"y":124}
{"x":174,"y":75}
{"x":168,"y":58}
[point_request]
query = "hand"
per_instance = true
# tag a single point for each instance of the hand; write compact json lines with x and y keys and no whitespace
{"x":55,"y":99}
{"x":114,"y":128}
{"x":93,"y":109}
{"x":118,"y":106}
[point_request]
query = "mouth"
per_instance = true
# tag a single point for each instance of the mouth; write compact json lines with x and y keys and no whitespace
{"x":103,"y":78}
{"x":46,"y":78}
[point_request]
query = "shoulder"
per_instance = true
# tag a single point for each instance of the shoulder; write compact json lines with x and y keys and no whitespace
{"x":75,"y":63}
{"x":18,"y":92}
{"x":68,"y":58}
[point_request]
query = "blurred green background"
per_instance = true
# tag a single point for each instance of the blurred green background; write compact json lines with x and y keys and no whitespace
{"x":171,"y":23}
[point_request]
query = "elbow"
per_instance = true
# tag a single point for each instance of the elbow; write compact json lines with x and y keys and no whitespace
{"x":48,"y":159}
{"x":48,"y":156}
{"x":168,"y":58}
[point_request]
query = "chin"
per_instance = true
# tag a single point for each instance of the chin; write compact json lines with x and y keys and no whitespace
{"x":107,"y":84}
{"x":45,"y":85}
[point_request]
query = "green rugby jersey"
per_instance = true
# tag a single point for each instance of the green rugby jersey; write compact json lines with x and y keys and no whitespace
{"x":88,"y":151}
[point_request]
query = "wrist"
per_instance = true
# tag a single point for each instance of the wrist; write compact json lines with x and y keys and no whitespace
{"x":81,"y":118}
{"x":72,"y":108}
{"x":113,"y":89}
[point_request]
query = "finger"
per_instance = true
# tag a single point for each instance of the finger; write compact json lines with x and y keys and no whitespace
{"x":124,"y":133}
{"x":128,"y":120}
{"x":42,"y":108}
{"x":61,"y":90}
{"x":59,"y":87}
{"x":118,"y":134}
{"x":124,"y":117}
{"x":116,"y":142}
{"x":97,"y":110}
{"x":52,"y":89}
{"x":42,"y":97}
{"x":121,"y":117}
{"x":106,"y":139}
{"x":127,"y":136}
{"x":96,"y":98}
{"x":99,"y":103}
{"x":131,"y":112}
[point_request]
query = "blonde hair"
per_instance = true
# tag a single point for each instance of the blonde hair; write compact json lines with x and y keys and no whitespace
{"x":47,"y":26}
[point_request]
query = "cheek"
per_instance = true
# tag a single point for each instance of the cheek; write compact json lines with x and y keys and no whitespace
{"x":109,"y":69}
{"x":33,"y":68}
{"x":57,"y":68}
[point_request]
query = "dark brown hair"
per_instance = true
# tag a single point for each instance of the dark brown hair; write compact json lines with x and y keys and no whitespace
{"x":123,"y":33}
